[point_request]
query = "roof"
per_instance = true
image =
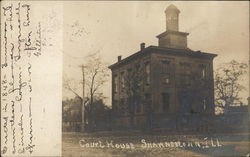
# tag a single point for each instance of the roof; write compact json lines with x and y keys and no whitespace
{"x":164,"y":50}
{"x":173,"y":8}
{"x":172,"y":32}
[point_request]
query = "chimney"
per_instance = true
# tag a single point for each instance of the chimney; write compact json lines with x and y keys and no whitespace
{"x":119,"y":58}
{"x":142,"y":46}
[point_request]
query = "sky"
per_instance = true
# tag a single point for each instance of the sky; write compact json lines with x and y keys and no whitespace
{"x":117,"y":28}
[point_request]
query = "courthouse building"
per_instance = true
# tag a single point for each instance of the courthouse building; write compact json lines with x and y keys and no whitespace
{"x":160,"y":83}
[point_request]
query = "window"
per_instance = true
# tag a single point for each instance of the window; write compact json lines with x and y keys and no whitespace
{"x":165,"y":61}
{"x":115,"y":84}
{"x":138,"y":74}
{"x":165,"y":66}
{"x":187,"y":80}
{"x":122,"y":101}
{"x":186,"y":71}
{"x":122,"y":80}
{"x":147,"y":96}
{"x":166,"y":70}
{"x":137,"y":67}
{"x":129,"y":72}
{"x":147,"y":67}
{"x":122,"y":106}
{"x":147,"y":103}
{"x":204,"y":103}
{"x":166,"y":79}
{"x":203,"y":71}
{"x":165,"y":101}
{"x":202,"y":74}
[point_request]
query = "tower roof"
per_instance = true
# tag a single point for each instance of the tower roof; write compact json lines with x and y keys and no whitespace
{"x":172,"y":8}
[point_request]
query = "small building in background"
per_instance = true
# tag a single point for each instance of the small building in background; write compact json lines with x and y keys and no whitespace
{"x":158,"y":84}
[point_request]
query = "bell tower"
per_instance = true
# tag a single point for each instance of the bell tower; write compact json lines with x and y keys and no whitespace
{"x":172,"y":18}
{"x":172,"y":38}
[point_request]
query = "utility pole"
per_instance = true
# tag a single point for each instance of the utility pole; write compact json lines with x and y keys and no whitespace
{"x":83,"y":99}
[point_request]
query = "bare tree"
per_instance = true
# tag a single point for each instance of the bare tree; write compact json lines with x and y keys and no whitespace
{"x":132,"y":85}
{"x":228,"y":79}
{"x":95,"y":74}
{"x":69,"y":84}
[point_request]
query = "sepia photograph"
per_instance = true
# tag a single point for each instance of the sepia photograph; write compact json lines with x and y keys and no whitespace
{"x":160,"y":79}
{"x":124,"y":78}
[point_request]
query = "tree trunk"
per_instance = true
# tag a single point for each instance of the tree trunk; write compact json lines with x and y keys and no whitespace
{"x":91,"y":113}
{"x":227,"y":104}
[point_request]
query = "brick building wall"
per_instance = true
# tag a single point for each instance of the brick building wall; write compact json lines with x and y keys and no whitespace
{"x":176,"y":81}
{"x":171,"y":77}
